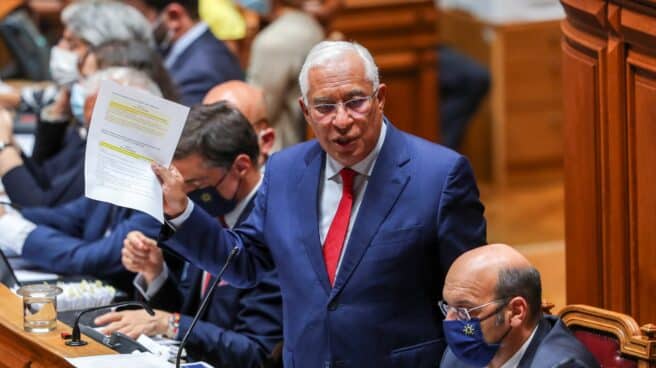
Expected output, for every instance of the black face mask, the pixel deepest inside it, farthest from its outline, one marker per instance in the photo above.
(212, 202)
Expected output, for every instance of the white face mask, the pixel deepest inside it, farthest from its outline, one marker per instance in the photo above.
(63, 65)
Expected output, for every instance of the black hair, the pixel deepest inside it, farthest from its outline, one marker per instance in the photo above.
(523, 282)
(218, 133)
(191, 6)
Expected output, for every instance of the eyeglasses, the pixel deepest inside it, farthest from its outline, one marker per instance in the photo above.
(464, 314)
(355, 107)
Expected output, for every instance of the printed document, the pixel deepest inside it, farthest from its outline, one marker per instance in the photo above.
(129, 129)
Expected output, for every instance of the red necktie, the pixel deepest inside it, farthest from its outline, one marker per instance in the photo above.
(205, 283)
(332, 247)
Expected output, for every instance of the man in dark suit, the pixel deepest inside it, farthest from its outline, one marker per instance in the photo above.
(361, 253)
(196, 60)
(218, 154)
(492, 304)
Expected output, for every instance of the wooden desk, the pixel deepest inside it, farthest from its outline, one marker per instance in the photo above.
(23, 349)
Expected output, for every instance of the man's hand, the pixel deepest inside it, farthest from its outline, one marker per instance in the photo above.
(175, 198)
(134, 322)
(141, 254)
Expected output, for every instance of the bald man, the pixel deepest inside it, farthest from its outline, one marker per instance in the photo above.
(249, 100)
(493, 318)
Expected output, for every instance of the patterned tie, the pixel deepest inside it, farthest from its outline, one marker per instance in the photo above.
(205, 283)
(332, 247)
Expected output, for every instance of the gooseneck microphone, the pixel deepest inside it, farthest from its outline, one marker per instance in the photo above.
(75, 335)
(204, 303)
(15, 206)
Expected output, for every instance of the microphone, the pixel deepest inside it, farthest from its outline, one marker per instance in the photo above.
(75, 335)
(15, 206)
(204, 303)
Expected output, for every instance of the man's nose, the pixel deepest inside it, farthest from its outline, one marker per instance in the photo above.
(342, 118)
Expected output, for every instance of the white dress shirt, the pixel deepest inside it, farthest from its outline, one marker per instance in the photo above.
(14, 230)
(514, 360)
(330, 191)
(184, 42)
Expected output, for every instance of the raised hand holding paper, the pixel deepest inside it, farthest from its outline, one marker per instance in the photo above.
(129, 129)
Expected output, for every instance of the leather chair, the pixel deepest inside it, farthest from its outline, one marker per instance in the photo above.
(615, 339)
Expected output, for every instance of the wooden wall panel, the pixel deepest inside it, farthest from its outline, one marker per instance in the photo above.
(580, 71)
(613, 229)
(641, 85)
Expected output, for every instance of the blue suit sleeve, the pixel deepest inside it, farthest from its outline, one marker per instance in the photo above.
(69, 218)
(207, 244)
(54, 249)
(257, 329)
(461, 225)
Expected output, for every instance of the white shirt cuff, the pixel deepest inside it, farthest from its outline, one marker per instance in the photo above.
(178, 221)
(148, 291)
(14, 229)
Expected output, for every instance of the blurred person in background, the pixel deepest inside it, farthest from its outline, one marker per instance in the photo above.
(194, 57)
(59, 176)
(250, 101)
(84, 236)
(277, 56)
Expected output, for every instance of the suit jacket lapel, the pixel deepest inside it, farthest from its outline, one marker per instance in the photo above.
(308, 199)
(542, 331)
(385, 185)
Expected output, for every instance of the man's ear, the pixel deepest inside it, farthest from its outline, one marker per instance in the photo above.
(242, 163)
(267, 138)
(382, 94)
(304, 108)
(518, 311)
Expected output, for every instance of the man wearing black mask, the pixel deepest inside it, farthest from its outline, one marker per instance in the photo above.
(217, 155)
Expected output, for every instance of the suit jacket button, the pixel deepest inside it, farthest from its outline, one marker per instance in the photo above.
(333, 305)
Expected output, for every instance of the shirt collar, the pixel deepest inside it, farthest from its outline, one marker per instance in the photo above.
(232, 217)
(517, 357)
(183, 43)
(364, 167)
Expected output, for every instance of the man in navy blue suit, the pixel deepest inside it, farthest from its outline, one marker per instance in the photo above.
(218, 154)
(361, 224)
(196, 60)
(492, 304)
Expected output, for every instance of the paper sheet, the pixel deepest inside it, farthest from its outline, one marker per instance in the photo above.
(32, 276)
(129, 129)
(134, 360)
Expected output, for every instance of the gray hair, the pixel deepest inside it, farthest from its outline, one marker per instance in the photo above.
(99, 21)
(122, 75)
(327, 51)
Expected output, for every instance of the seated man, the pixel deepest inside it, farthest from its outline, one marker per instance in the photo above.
(492, 304)
(196, 59)
(217, 155)
(84, 236)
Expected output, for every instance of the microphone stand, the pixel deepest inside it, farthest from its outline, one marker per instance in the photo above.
(75, 335)
(204, 303)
